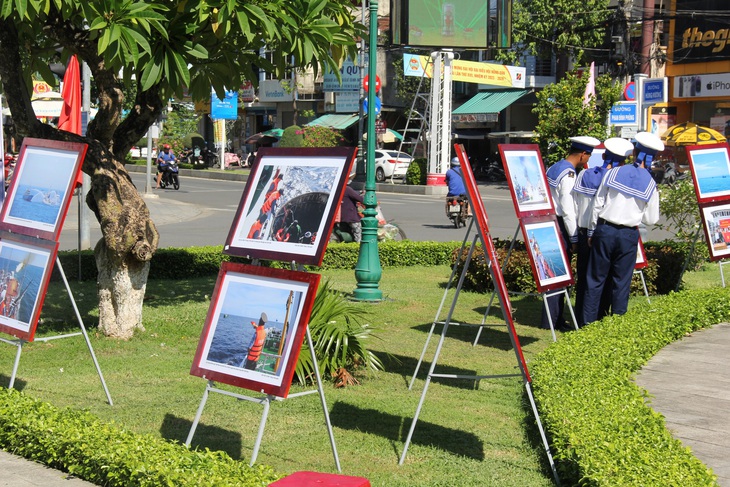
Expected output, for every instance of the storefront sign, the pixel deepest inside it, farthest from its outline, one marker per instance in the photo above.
(248, 93)
(350, 74)
(347, 102)
(704, 85)
(701, 38)
(475, 118)
(274, 90)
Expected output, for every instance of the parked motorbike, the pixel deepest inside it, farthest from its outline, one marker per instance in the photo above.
(667, 173)
(170, 177)
(194, 157)
(489, 170)
(457, 210)
(210, 158)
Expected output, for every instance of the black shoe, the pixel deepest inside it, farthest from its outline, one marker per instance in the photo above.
(565, 327)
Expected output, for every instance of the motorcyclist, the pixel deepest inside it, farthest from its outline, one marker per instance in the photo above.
(455, 182)
(164, 159)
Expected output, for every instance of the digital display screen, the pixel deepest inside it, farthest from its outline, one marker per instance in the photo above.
(446, 23)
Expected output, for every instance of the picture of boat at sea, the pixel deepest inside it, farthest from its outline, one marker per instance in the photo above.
(712, 171)
(21, 274)
(37, 204)
(233, 334)
(547, 253)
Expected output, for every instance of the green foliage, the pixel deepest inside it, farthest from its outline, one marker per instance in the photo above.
(602, 430)
(407, 87)
(678, 205)
(78, 443)
(181, 122)
(546, 27)
(561, 113)
(321, 136)
(417, 172)
(292, 137)
(339, 335)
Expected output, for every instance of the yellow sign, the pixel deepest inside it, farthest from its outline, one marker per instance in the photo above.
(466, 71)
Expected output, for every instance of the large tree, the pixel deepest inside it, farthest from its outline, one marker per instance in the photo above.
(161, 47)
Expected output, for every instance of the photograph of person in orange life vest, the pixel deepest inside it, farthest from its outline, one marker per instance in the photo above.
(256, 344)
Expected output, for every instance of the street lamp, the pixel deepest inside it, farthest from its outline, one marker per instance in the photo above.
(368, 270)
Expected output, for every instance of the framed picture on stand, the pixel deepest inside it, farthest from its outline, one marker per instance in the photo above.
(25, 269)
(288, 206)
(641, 261)
(548, 256)
(710, 167)
(527, 179)
(255, 326)
(716, 224)
(41, 187)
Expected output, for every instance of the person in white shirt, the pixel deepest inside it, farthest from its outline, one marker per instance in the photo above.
(626, 197)
(586, 186)
(561, 178)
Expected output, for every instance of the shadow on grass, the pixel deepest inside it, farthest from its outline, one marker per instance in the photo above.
(159, 293)
(176, 429)
(395, 429)
(493, 335)
(529, 425)
(19, 384)
(406, 366)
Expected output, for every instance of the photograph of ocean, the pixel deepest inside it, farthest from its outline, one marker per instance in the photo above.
(233, 333)
(712, 172)
(36, 204)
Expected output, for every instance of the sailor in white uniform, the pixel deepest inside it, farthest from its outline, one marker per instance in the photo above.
(626, 197)
(561, 178)
(586, 185)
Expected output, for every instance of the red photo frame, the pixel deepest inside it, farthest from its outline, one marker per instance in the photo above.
(641, 261)
(289, 203)
(546, 249)
(255, 327)
(710, 167)
(716, 224)
(25, 270)
(40, 190)
(479, 213)
(527, 179)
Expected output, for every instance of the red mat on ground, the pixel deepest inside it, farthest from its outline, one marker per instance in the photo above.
(317, 479)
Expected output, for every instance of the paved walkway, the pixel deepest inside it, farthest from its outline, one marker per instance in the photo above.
(689, 387)
(19, 472)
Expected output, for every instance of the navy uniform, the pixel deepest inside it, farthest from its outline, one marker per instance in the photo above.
(626, 197)
(586, 186)
(561, 178)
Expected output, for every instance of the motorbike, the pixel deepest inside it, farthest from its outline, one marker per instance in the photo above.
(210, 158)
(193, 157)
(457, 210)
(387, 230)
(170, 178)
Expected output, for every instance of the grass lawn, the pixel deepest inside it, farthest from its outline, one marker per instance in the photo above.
(470, 433)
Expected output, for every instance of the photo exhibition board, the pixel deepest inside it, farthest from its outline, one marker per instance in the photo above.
(289, 203)
(482, 223)
(710, 167)
(641, 261)
(25, 270)
(716, 224)
(527, 179)
(548, 256)
(40, 190)
(255, 327)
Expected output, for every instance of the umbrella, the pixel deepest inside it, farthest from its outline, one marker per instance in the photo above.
(690, 133)
(261, 139)
(388, 137)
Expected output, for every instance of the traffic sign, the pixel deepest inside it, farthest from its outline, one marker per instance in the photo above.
(377, 83)
(630, 91)
(624, 113)
(654, 91)
(378, 105)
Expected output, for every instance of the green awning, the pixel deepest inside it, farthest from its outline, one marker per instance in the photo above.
(336, 120)
(490, 102)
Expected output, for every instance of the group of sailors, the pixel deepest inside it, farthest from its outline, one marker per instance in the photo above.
(599, 212)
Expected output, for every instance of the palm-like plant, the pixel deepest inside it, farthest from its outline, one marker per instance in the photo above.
(339, 334)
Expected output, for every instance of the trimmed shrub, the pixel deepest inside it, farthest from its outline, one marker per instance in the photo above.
(292, 137)
(601, 428)
(417, 172)
(79, 443)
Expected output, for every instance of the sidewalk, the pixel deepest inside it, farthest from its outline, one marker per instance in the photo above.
(688, 386)
(18, 472)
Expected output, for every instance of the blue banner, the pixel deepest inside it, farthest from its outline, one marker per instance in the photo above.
(227, 108)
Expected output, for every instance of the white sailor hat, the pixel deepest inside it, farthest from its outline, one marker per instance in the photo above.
(617, 150)
(648, 143)
(584, 143)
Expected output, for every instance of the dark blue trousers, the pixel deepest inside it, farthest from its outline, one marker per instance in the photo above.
(581, 272)
(611, 263)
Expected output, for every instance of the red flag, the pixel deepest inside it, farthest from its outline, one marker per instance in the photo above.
(70, 119)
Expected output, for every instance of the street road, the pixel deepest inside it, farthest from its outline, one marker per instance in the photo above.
(201, 212)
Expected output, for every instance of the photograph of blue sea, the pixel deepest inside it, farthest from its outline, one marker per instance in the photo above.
(712, 171)
(232, 335)
(21, 273)
(36, 204)
(546, 250)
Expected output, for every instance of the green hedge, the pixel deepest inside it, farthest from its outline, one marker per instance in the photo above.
(79, 443)
(601, 429)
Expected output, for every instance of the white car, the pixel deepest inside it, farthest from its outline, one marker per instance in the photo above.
(391, 163)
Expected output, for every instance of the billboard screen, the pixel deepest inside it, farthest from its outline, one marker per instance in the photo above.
(441, 23)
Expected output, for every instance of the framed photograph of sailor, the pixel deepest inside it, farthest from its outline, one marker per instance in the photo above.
(641, 261)
(41, 187)
(527, 180)
(548, 257)
(710, 167)
(255, 327)
(716, 223)
(25, 269)
(288, 206)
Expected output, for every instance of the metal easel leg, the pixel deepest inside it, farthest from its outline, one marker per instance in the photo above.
(643, 284)
(550, 318)
(570, 307)
(199, 413)
(19, 344)
(722, 274)
(83, 331)
(324, 403)
(545, 443)
(266, 401)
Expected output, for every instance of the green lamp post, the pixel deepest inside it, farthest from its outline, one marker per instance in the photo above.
(368, 270)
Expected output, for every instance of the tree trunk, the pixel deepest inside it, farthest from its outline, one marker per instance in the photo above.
(121, 286)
